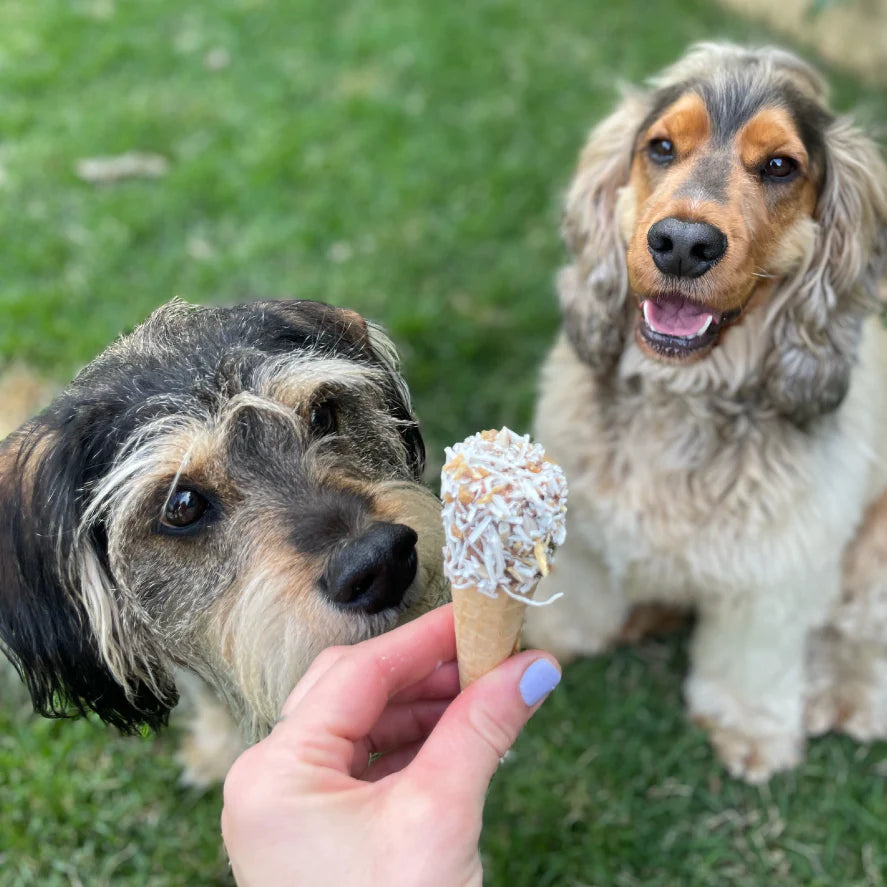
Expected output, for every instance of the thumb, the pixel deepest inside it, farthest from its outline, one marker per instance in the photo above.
(464, 749)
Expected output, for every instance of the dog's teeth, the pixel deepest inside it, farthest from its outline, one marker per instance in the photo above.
(709, 319)
(704, 327)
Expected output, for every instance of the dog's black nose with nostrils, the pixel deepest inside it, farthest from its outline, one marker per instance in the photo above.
(372, 572)
(685, 249)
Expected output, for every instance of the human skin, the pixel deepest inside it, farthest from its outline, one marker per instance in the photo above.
(377, 771)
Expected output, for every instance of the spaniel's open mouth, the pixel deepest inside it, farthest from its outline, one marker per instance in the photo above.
(675, 326)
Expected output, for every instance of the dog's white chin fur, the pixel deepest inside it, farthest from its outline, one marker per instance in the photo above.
(750, 529)
(213, 738)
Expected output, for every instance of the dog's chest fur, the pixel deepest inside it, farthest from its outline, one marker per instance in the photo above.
(695, 494)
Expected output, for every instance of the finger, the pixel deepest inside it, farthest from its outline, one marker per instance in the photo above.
(400, 724)
(442, 683)
(404, 722)
(392, 762)
(481, 725)
(348, 698)
(322, 663)
(432, 625)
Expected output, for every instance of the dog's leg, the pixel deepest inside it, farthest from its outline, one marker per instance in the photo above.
(748, 678)
(212, 741)
(848, 663)
(822, 707)
(848, 686)
(590, 615)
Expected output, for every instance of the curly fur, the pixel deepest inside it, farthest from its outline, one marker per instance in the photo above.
(737, 482)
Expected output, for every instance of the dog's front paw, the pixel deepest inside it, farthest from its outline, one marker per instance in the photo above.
(822, 712)
(752, 742)
(210, 742)
(860, 712)
(577, 633)
(756, 758)
(566, 643)
(205, 760)
(867, 721)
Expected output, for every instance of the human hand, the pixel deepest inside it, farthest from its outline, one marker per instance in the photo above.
(377, 772)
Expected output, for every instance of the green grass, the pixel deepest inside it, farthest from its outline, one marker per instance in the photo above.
(406, 159)
(611, 786)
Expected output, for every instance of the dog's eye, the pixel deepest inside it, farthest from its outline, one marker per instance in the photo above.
(323, 418)
(183, 509)
(782, 168)
(660, 150)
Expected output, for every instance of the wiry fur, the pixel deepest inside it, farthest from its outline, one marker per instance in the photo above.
(102, 606)
(751, 483)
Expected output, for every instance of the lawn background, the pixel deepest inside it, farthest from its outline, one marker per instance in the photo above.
(406, 159)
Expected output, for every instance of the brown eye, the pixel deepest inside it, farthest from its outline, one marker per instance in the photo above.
(184, 508)
(660, 150)
(782, 168)
(323, 418)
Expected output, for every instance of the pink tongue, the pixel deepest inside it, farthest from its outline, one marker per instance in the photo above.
(677, 316)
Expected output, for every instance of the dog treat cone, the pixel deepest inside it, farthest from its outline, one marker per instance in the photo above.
(504, 508)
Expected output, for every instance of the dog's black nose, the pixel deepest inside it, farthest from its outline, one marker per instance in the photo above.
(685, 249)
(373, 571)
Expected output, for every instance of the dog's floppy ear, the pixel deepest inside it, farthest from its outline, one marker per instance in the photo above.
(817, 327)
(593, 289)
(60, 616)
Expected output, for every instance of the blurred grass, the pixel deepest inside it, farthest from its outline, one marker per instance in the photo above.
(407, 160)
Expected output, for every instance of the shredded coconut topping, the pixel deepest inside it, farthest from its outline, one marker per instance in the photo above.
(504, 510)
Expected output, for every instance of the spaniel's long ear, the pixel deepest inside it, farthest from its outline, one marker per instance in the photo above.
(61, 620)
(594, 287)
(817, 328)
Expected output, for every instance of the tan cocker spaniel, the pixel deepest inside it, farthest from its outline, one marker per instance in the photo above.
(718, 399)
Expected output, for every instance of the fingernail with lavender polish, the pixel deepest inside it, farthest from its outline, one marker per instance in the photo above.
(540, 678)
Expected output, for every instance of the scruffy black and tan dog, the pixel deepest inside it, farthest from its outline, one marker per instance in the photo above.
(224, 492)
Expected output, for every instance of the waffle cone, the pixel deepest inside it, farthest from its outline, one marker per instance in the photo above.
(487, 631)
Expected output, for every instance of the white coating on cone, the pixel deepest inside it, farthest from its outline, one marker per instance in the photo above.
(504, 510)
